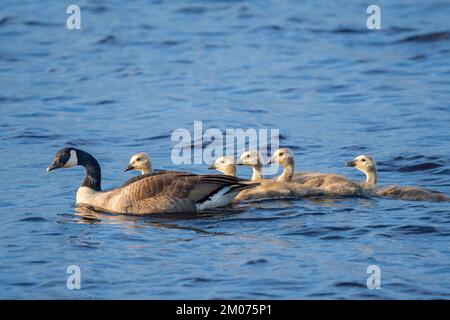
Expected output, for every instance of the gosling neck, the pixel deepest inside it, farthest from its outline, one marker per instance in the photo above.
(256, 172)
(371, 176)
(93, 172)
(288, 172)
(148, 169)
(229, 170)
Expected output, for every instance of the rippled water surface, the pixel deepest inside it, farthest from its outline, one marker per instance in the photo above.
(140, 69)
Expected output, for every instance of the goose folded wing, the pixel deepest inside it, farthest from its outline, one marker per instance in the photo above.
(179, 185)
(175, 192)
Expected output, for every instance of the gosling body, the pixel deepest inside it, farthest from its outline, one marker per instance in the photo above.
(367, 165)
(313, 183)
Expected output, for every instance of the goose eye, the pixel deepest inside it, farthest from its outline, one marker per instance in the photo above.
(281, 153)
(138, 159)
(363, 160)
(248, 156)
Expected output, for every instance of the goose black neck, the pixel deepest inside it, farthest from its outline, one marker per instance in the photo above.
(93, 177)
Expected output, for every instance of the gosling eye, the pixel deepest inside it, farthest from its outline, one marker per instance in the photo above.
(363, 160)
(281, 154)
(248, 156)
(138, 159)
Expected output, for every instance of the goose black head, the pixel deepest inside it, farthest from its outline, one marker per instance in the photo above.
(64, 158)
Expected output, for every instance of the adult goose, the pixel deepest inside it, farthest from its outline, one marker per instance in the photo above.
(165, 192)
(324, 183)
(368, 166)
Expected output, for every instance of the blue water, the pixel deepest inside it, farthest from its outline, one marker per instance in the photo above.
(140, 69)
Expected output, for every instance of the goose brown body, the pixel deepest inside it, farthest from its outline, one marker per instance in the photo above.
(164, 192)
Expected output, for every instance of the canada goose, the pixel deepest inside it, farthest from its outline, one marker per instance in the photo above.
(253, 159)
(224, 164)
(164, 192)
(140, 162)
(324, 183)
(367, 165)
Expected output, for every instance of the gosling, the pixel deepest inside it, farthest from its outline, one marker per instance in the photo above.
(253, 159)
(224, 164)
(367, 165)
(140, 162)
(327, 184)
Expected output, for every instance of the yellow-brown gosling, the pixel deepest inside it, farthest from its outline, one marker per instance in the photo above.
(140, 162)
(253, 159)
(327, 184)
(367, 165)
(224, 164)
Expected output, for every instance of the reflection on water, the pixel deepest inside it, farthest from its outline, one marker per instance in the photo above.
(137, 71)
(88, 215)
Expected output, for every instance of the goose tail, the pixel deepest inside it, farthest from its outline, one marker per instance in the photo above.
(225, 194)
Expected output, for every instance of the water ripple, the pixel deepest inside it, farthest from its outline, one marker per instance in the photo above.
(135, 73)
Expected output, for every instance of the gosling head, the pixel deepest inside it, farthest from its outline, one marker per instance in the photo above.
(251, 158)
(64, 158)
(140, 162)
(367, 165)
(282, 156)
(224, 164)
